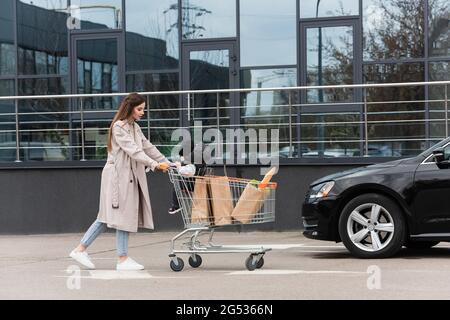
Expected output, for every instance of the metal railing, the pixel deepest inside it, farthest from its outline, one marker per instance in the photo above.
(286, 114)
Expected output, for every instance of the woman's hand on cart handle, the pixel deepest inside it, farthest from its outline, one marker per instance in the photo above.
(163, 166)
(173, 166)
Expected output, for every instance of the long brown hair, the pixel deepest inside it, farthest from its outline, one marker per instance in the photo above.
(126, 108)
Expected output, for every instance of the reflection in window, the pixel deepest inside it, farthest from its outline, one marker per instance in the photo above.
(7, 123)
(202, 19)
(393, 29)
(397, 123)
(6, 89)
(164, 109)
(329, 61)
(268, 109)
(44, 134)
(152, 35)
(98, 14)
(210, 70)
(438, 71)
(439, 32)
(42, 37)
(95, 136)
(328, 8)
(97, 71)
(330, 135)
(43, 86)
(268, 33)
(141, 82)
(7, 48)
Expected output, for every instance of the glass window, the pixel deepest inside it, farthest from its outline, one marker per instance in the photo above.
(43, 86)
(44, 129)
(329, 135)
(268, 109)
(6, 88)
(96, 126)
(393, 29)
(141, 82)
(268, 32)
(209, 69)
(152, 35)
(7, 48)
(7, 122)
(439, 31)
(97, 14)
(396, 115)
(328, 8)
(42, 37)
(164, 111)
(438, 71)
(329, 61)
(202, 19)
(97, 71)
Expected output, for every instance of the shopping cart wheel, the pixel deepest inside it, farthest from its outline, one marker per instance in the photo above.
(195, 261)
(250, 264)
(260, 263)
(177, 266)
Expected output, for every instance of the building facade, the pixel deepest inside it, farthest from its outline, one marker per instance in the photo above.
(52, 47)
(55, 47)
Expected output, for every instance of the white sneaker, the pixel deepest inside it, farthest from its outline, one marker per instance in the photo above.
(129, 265)
(82, 258)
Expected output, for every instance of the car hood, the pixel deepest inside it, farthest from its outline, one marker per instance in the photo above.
(369, 170)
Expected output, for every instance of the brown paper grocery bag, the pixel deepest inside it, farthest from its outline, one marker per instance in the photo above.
(221, 200)
(200, 202)
(250, 202)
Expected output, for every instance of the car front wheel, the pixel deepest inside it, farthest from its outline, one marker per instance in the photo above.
(372, 226)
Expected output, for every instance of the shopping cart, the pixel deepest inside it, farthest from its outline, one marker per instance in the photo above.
(209, 202)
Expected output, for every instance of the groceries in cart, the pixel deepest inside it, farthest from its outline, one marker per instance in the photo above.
(221, 200)
(187, 170)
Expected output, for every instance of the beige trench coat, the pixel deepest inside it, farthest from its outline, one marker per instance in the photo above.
(123, 175)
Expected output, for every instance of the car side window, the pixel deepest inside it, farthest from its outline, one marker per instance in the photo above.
(447, 152)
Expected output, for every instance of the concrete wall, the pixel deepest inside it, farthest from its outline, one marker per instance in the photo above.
(60, 200)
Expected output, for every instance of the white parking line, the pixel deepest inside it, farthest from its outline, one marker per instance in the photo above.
(331, 247)
(279, 246)
(273, 246)
(281, 272)
(321, 251)
(119, 275)
(116, 275)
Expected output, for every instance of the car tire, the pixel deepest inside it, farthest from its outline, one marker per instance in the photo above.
(372, 226)
(420, 245)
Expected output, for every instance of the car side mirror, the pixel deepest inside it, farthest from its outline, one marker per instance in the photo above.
(439, 156)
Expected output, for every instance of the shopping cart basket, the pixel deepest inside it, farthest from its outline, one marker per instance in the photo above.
(208, 202)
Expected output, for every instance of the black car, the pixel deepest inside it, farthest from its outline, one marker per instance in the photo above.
(375, 210)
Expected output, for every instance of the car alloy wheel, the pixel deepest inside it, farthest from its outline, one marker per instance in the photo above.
(370, 227)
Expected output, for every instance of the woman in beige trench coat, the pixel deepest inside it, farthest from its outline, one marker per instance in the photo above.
(124, 198)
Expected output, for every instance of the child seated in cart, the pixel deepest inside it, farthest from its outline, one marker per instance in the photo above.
(188, 168)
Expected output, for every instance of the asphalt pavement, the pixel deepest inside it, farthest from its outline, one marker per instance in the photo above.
(38, 267)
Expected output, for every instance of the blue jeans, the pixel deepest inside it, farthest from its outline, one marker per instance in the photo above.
(97, 228)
